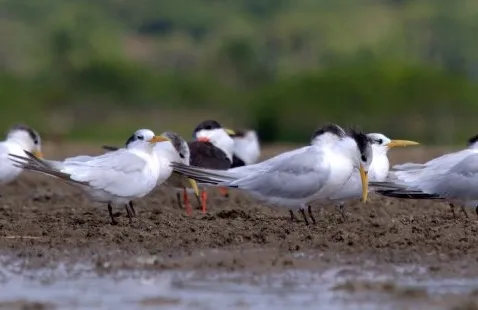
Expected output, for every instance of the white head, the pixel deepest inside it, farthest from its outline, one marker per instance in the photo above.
(27, 138)
(473, 142)
(144, 139)
(381, 144)
(328, 134)
(180, 147)
(246, 146)
(211, 131)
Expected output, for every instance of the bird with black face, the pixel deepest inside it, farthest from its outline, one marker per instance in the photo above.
(114, 178)
(212, 148)
(295, 178)
(20, 138)
(179, 152)
(378, 170)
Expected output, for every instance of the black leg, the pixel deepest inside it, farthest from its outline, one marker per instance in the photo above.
(133, 211)
(292, 216)
(129, 213)
(476, 210)
(304, 216)
(464, 211)
(110, 211)
(342, 211)
(452, 207)
(309, 209)
(178, 199)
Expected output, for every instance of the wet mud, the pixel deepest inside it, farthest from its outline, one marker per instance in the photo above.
(44, 221)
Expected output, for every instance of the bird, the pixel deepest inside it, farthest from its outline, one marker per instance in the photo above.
(411, 174)
(378, 170)
(455, 184)
(20, 137)
(294, 178)
(247, 150)
(211, 148)
(114, 178)
(182, 155)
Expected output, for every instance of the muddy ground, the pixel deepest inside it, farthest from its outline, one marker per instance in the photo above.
(45, 221)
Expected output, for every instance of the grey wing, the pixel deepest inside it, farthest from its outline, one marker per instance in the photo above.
(302, 175)
(459, 182)
(408, 166)
(118, 173)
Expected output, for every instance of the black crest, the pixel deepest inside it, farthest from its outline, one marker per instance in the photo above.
(32, 133)
(472, 140)
(361, 139)
(329, 128)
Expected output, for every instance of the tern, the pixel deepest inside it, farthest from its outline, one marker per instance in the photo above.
(377, 172)
(115, 177)
(294, 178)
(20, 138)
(179, 151)
(412, 175)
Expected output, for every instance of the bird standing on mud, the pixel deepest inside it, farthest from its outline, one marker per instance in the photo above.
(176, 181)
(450, 177)
(115, 177)
(294, 178)
(377, 172)
(212, 148)
(20, 138)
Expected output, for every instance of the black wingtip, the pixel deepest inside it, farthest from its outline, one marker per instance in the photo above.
(407, 195)
(110, 148)
(472, 140)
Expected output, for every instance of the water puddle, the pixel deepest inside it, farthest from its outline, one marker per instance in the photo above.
(342, 287)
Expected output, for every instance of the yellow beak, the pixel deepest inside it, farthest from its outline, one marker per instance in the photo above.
(230, 131)
(156, 139)
(364, 179)
(38, 154)
(395, 143)
(194, 186)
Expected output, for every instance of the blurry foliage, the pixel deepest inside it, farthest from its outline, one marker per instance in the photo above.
(407, 68)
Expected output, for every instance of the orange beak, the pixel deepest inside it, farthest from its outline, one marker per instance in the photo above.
(203, 139)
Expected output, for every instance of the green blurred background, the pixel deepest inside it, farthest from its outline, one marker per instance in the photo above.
(99, 69)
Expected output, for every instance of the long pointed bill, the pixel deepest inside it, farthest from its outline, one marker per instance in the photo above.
(364, 179)
(230, 132)
(194, 186)
(38, 154)
(403, 143)
(156, 139)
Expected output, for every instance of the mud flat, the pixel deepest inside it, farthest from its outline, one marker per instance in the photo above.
(395, 253)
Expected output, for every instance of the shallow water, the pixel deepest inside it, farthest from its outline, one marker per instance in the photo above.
(341, 287)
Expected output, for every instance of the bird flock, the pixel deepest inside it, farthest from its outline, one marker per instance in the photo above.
(337, 166)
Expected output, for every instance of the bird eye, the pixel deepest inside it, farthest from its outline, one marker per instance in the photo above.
(364, 158)
(380, 141)
(181, 155)
(208, 127)
(140, 138)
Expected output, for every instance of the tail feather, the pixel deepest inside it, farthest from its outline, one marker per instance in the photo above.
(209, 176)
(33, 163)
(404, 194)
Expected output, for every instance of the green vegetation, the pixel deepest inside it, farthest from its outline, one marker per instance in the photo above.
(79, 69)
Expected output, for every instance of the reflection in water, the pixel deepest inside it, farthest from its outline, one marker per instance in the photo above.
(81, 288)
